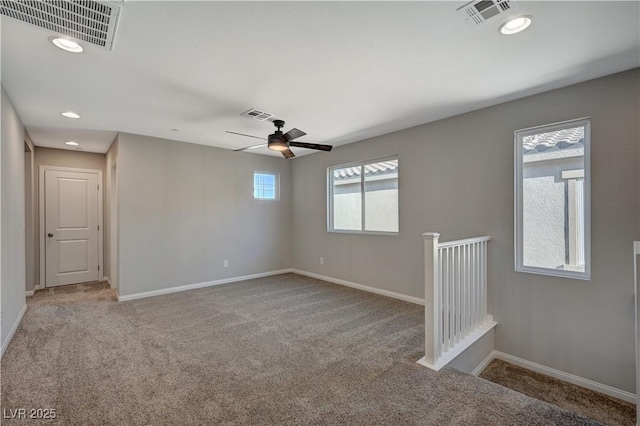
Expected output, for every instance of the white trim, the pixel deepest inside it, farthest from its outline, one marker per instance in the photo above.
(41, 206)
(484, 364)
(636, 302)
(105, 278)
(557, 374)
(461, 346)
(388, 293)
(100, 226)
(30, 293)
(383, 233)
(145, 294)
(392, 294)
(114, 201)
(7, 341)
(459, 242)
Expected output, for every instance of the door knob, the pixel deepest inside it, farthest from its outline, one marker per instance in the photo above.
(49, 235)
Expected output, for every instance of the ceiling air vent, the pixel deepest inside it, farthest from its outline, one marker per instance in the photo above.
(257, 114)
(477, 12)
(85, 20)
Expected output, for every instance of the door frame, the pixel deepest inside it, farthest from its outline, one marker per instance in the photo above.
(30, 220)
(41, 214)
(636, 294)
(113, 225)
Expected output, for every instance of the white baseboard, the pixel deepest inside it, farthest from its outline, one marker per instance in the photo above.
(363, 287)
(557, 374)
(170, 290)
(30, 293)
(8, 339)
(484, 364)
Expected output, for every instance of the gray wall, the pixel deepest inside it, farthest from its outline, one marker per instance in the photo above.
(185, 208)
(456, 178)
(63, 158)
(13, 264)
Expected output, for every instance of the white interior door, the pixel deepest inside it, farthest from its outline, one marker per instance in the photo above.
(71, 227)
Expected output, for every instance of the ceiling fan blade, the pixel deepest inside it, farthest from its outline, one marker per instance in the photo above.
(249, 136)
(288, 154)
(250, 147)
(317, 146)
(293, 134)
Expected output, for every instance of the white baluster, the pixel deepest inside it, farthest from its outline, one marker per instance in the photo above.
(445, 301)
(464, 295)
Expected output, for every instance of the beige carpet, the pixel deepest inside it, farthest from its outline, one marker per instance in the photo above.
(279, 350)
(585, 402)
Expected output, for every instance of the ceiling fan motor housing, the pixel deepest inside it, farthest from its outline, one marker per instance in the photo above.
(277, 142)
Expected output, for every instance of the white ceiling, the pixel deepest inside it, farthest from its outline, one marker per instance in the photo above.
(341, 71)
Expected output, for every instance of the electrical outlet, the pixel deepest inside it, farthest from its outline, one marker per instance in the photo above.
(226, 263)
(322, 260)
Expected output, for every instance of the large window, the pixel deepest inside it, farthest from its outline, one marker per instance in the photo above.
(552, 182)
(265, 186)
(363, 197)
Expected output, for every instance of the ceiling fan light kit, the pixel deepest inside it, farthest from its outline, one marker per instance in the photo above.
(277, 145)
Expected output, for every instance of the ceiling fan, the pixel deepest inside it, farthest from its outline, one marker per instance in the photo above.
(282, 142)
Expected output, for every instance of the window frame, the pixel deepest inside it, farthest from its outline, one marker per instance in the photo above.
(330, 219)
(277, 185)
(518, 200)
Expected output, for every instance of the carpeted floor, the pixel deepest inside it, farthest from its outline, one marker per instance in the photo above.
(585, 402)
(278, 350)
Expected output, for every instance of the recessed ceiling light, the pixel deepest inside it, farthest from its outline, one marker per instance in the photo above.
(72, 143)
(515, 25)
(66, 44)
(70, 114)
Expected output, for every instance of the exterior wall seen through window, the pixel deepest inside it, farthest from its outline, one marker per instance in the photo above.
(364, 202)
(552, 208)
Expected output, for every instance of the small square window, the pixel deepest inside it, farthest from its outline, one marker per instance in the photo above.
(265, 186)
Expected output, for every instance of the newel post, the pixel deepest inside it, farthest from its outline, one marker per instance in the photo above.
(432, 309)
